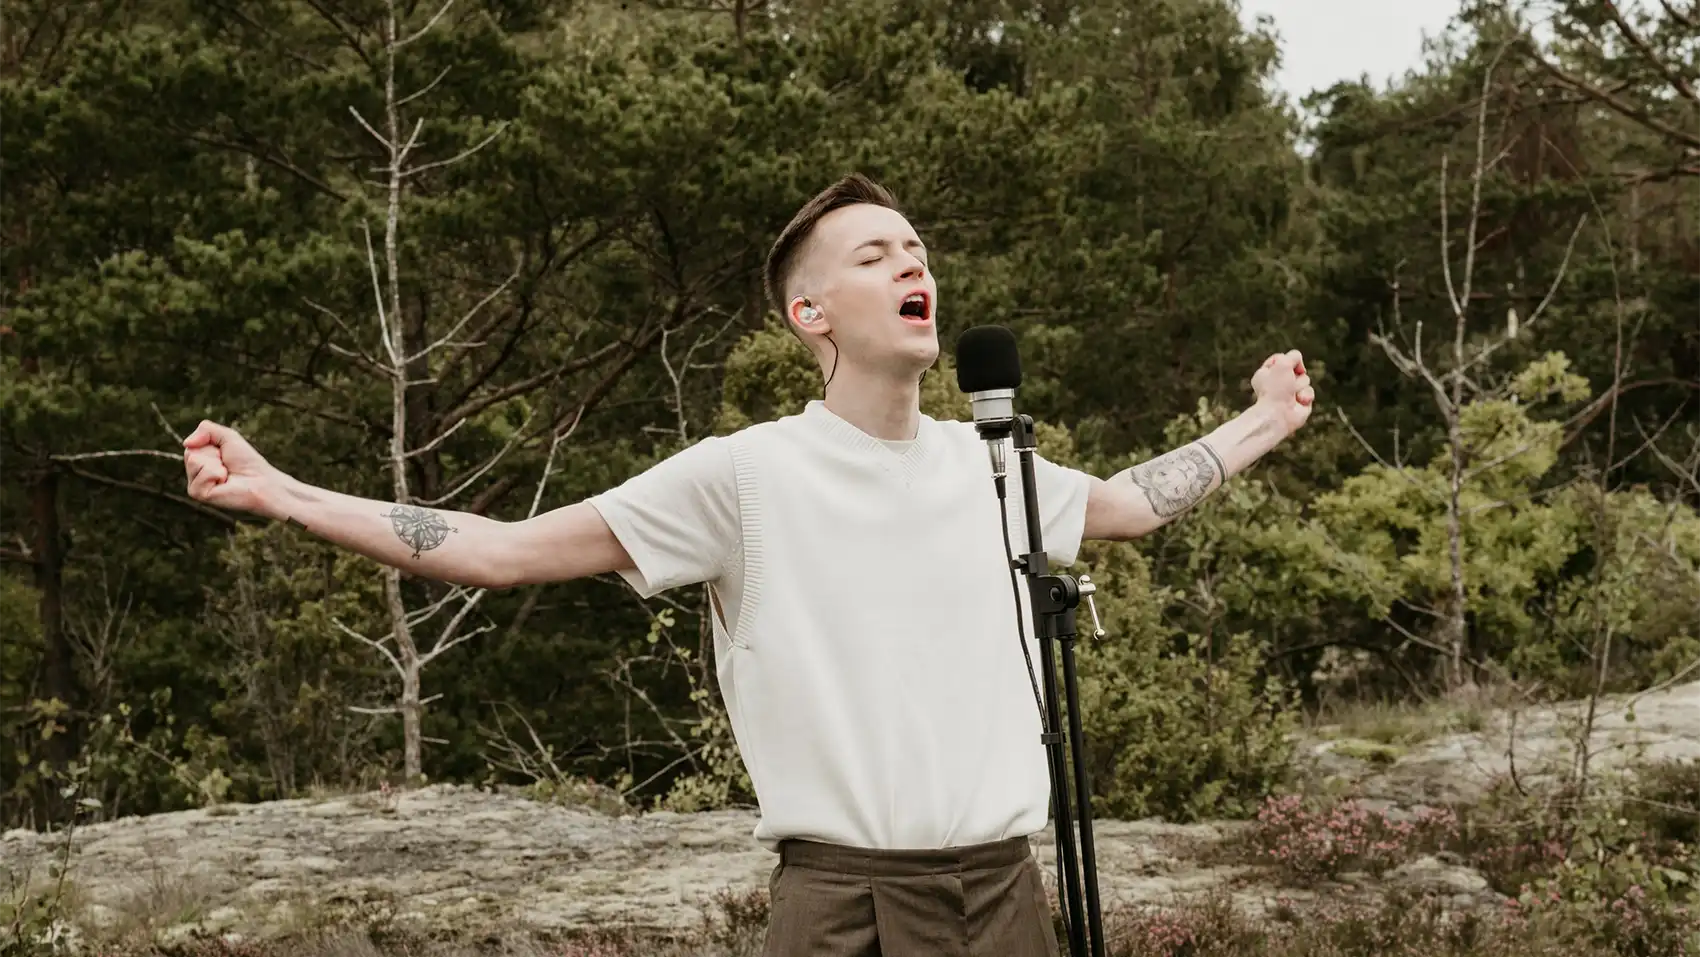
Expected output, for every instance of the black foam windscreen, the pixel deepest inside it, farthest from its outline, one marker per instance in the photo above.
(987, 358)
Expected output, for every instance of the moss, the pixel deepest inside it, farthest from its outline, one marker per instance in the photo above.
(1372, 752)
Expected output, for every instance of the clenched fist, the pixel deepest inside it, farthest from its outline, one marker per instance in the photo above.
(224, 470)
(1283, 387)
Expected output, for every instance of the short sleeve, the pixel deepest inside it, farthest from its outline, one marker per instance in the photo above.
(1062, 508)
(678, 519)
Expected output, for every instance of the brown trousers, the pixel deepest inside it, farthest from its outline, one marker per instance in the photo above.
(986, 900)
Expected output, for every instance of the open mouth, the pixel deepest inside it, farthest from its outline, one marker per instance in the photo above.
(916, 308)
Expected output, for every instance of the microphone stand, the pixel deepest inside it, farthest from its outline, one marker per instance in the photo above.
(1054, 599)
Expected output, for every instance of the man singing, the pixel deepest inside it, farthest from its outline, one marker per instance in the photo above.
(865, 628)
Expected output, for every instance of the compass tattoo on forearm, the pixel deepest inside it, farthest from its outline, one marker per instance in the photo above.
(1176, 481)
(418, 528)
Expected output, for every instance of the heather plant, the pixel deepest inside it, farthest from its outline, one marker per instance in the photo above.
(1306, 842)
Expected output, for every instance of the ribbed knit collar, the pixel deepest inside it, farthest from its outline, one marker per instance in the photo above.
(906, 463)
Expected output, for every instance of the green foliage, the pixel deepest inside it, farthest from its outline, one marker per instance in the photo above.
(187, 192)
(1179, 726)
(1665, 801)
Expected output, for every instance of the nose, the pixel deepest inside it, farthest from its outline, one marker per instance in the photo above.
(912, 270)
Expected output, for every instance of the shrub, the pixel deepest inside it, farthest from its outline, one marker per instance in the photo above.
(1665, 800)
(1306, 843)
(1184, 728)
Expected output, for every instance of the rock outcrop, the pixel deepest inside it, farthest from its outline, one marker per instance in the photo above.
(471, 860)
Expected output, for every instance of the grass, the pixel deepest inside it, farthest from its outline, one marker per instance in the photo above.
(1401, 724)
(1371, 752)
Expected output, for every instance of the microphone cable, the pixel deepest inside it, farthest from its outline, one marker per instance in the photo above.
(1015, 589)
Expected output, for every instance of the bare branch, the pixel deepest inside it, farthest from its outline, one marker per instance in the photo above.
(334, 316)
(412, 140)
(118, 453)
(1446, 240)
(166, 424)
(1540, 308)
(1687, 473)
(470, 313)
(472, 407)
(463, 154)
(387, 709)
(348, 37)
(375, 135)
(555, 440)
(1413, 368)
(489, 463)
(1476, 178)
(427, 27)
(1417, 639)
(438, 440)
(390, 348)
(265, 156)
(422, 615)
(458, 639)
(448, 638)
(632, 688)
(379, 645)
(212, 513)
(409, 98)
(1492, 464)
(1367, 447)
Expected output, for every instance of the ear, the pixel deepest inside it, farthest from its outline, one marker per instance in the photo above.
(807, 316)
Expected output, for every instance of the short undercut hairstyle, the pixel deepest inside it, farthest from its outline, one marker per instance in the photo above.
(782, 259)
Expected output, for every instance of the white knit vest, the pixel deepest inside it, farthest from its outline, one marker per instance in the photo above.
(873, 676)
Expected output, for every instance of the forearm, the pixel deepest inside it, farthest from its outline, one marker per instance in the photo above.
(448, 546)
(1170, 485)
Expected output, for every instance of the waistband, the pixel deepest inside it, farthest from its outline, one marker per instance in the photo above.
(879, 862)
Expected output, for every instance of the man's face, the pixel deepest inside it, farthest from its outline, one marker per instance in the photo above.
(867, 272)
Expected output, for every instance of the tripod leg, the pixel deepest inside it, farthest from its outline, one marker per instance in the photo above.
(1068, 888)
(1083, 795)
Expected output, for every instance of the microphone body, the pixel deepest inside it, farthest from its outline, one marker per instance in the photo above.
(988, 368)
(994, 419)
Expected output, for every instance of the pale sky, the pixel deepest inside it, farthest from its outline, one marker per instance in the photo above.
(1325, 41)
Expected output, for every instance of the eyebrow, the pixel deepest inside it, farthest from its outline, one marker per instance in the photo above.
(886, 244)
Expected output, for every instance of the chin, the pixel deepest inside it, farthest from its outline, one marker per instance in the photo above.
(921, 354)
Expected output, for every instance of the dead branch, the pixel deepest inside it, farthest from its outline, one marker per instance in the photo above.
(448, 337)
(398, 44)
(463, 154)
(220, 516)
(1541, 307)
(382, 648)
(461, 485)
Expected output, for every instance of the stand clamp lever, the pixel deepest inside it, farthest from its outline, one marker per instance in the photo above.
(1087, 590)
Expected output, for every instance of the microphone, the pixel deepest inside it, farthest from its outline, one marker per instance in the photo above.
(988, 368)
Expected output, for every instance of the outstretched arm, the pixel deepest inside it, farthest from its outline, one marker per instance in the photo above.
(455, 547)
(1146, 497)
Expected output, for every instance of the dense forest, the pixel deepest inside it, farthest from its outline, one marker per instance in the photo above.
(498, 255)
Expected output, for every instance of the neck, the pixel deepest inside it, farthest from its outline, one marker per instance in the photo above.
(882, 406)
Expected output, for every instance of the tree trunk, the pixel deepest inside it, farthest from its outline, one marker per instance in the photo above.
(408, 655)
(1456, 624)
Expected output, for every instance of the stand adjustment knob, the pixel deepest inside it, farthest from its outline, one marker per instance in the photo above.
(1087, 590)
